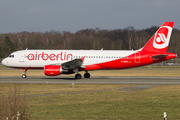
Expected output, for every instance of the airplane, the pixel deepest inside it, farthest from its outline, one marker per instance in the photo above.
(57, 62)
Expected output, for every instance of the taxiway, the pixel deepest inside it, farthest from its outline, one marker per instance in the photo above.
(94, 80)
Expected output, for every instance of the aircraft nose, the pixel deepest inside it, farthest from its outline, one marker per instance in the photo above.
(4, 62)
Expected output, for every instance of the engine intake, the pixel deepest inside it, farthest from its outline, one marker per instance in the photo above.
(53, 70)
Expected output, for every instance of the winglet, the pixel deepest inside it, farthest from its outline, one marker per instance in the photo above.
(82, 58)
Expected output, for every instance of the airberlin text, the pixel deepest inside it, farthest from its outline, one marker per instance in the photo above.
(45, 56)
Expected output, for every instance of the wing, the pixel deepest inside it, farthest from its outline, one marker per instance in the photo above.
(77, 63)
(73, 63)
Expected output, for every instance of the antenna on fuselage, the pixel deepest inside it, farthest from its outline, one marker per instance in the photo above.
(101, 49)
(26, 48)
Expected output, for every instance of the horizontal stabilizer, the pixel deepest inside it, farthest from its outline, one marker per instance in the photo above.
(156, 57)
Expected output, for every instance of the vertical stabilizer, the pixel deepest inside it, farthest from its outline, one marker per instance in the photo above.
(160, 40)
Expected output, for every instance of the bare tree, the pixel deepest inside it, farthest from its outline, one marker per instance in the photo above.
(127, 38)
(130, 35)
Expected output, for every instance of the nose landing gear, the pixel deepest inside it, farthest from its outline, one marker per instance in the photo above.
(24, 75)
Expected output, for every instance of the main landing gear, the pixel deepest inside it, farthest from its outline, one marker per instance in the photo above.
(24, 75)
(86, 75)
(79, 76)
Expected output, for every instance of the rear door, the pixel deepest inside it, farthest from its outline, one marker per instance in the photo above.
(137, 57)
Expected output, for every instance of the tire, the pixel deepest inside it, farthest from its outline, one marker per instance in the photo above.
(78, 76)
(24, 76)
(86, 75)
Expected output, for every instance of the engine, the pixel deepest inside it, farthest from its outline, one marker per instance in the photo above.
(53, 70)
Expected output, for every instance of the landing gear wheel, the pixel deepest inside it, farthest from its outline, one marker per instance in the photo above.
(86, 75)
(78, 76)
(24, 76)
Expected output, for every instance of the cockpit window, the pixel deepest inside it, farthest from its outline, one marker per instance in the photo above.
(11, 56)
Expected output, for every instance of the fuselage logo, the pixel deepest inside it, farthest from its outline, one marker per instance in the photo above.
(162, 36)
(45, 56)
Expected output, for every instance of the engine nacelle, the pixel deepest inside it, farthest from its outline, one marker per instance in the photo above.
(53, 70)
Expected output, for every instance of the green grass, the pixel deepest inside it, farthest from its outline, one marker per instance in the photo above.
(146, 104)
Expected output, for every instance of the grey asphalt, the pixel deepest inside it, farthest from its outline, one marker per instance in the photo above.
(139, 83)
(95, 80)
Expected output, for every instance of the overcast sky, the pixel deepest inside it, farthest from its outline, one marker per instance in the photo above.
(74, 15)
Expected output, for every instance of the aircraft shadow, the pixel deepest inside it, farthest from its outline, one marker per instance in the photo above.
(60, 78)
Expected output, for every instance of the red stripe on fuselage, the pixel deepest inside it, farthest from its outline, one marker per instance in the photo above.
(130, 61)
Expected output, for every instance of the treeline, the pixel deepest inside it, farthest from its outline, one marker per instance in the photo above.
(118, 39)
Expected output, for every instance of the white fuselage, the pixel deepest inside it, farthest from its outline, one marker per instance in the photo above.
(40, 58)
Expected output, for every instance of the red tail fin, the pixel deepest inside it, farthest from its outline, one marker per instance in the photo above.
(160, 40)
